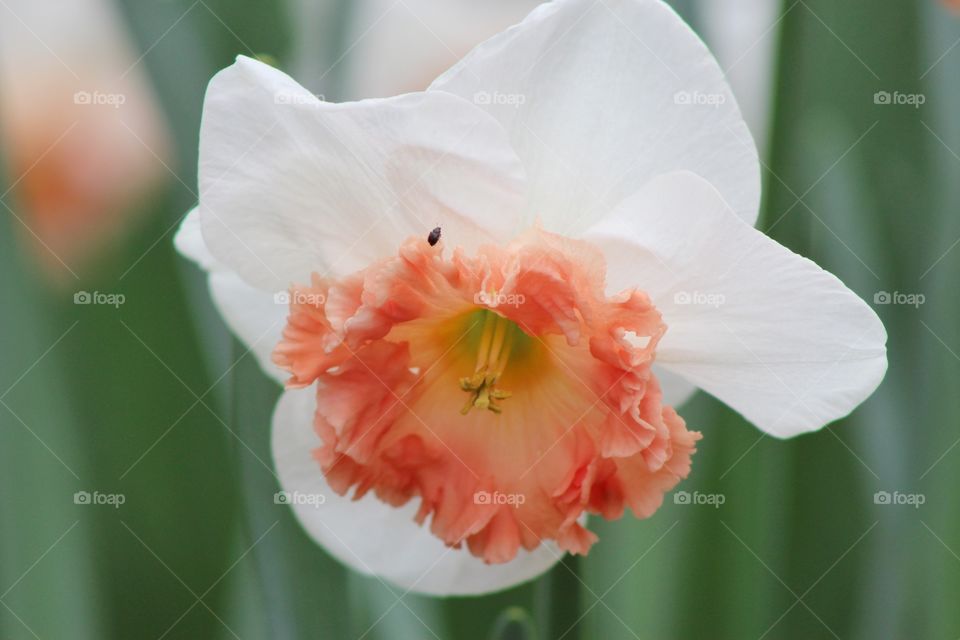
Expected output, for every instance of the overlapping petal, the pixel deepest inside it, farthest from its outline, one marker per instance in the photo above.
(766, 331)
(374, 537)
(601, 96)
(255, 316)
(290, 184)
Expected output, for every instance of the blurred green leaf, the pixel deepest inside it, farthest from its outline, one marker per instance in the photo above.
(137, 387)
(558, 602)
(304, 591)
(845, 170)
(48, 583)
(139, 391)
(932, 414)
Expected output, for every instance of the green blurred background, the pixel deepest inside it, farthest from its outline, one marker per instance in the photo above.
(152, 400)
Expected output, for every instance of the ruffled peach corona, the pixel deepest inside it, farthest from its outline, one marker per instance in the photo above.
(504, 390)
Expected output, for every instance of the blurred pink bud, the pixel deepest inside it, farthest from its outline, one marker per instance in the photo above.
(82, 136)
(402, 47)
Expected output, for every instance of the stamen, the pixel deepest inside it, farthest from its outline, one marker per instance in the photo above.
(493, 354)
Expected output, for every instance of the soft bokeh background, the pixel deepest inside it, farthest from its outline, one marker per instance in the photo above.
(145, 396)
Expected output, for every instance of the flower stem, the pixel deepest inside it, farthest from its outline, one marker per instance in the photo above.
(557, 601)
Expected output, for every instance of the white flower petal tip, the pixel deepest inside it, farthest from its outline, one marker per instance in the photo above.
(599, 97)
(188, 241)
(291, 185)
(372, 537)
(253, 315)
(761, 328)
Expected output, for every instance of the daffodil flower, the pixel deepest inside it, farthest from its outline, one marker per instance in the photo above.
(463, 402)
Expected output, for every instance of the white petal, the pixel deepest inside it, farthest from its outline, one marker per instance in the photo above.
(599, 97)
(290, 185)
(764, 330)
(189, 242)
(255, 316)
(373, 537)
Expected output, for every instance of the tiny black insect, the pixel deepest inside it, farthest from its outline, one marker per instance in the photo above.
(434, 236)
